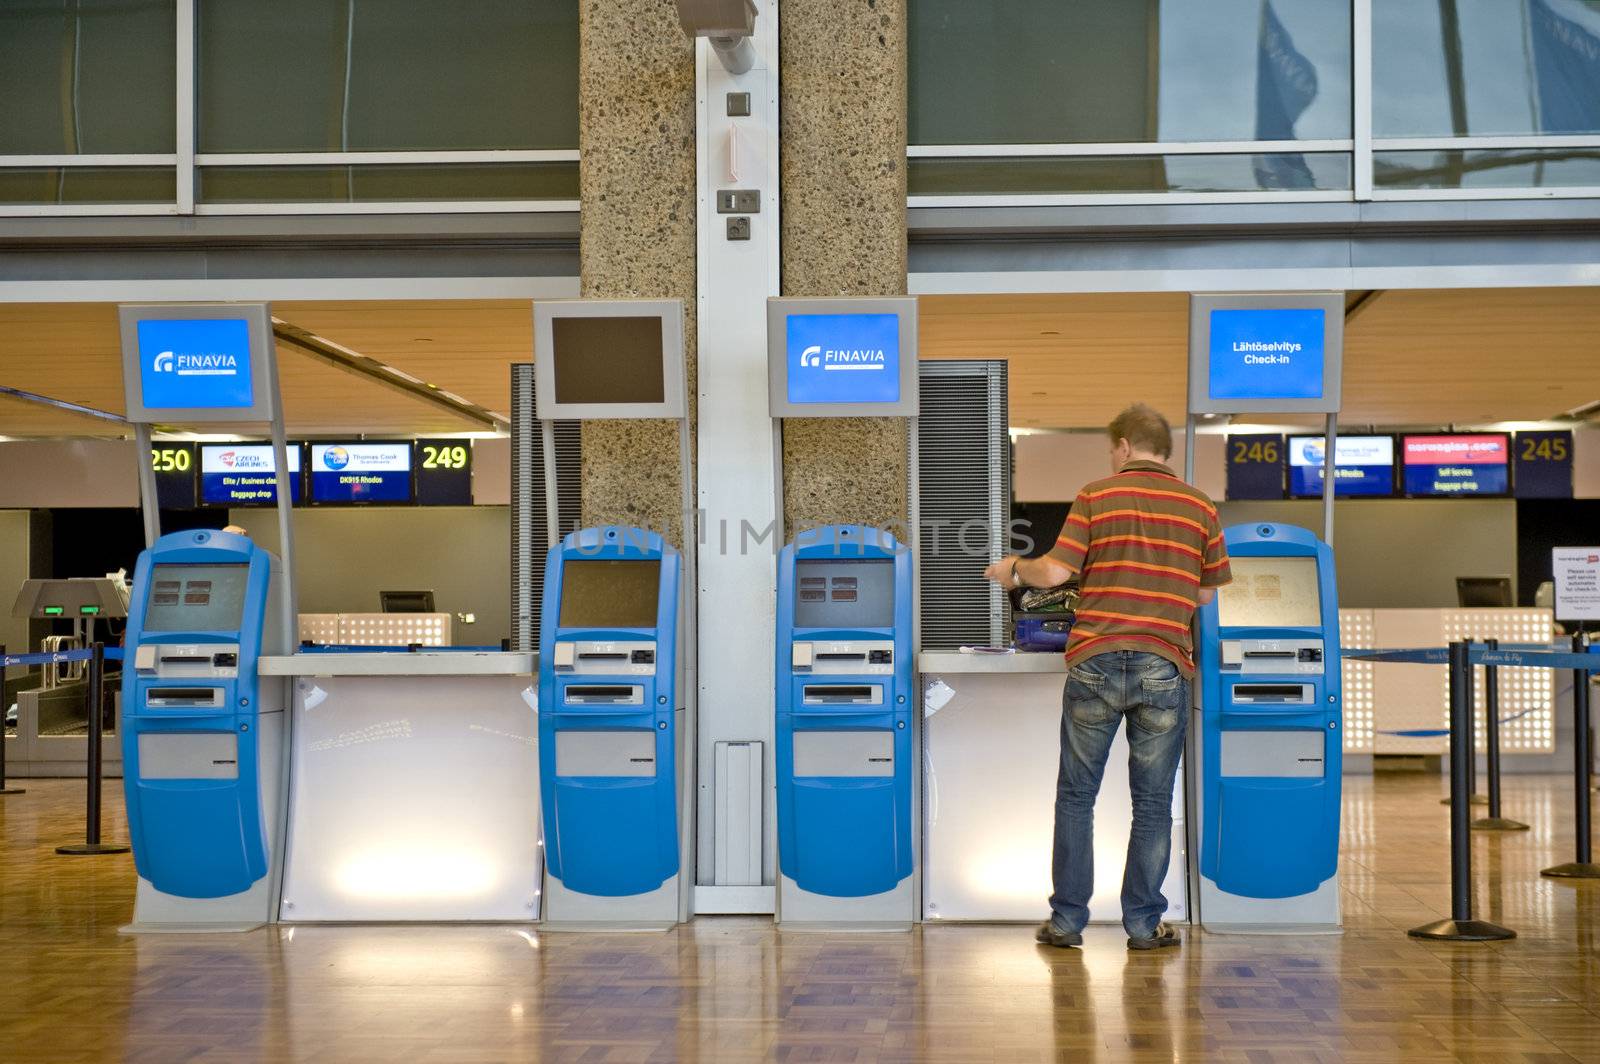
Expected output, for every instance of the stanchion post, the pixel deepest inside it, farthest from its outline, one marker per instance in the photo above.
(4, 788)
(1461, 927)
(1491, 721)
(1582, 867)
(1474, 798)
(96, 706)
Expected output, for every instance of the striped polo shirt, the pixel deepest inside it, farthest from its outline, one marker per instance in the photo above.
(1144, 544)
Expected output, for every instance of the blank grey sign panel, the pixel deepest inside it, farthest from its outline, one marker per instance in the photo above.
(607, 360)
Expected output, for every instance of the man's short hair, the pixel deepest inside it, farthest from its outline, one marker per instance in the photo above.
(1143, 427)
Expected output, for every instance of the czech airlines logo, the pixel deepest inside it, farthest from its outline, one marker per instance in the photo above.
(197, 365)
(818, 357)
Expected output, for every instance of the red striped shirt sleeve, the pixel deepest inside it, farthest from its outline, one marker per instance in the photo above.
(1214, 569)
(1072, 545)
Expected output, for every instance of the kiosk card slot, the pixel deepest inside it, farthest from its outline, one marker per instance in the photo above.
(1297, 694)
(843, 695)
(183, 697)
(604, 694)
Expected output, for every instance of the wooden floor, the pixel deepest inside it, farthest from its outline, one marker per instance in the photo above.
(733, 989)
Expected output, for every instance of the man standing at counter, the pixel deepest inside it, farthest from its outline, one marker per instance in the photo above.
(1147, 550)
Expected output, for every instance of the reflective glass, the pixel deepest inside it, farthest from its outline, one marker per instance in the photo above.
(1540, 168)
(89, 184)
(367, 183)
(1094, 71)
(1130, 173)
(1485, 67)
(338, 75)
(87, 77)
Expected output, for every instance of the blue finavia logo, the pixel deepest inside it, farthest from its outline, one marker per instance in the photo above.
(197, 365)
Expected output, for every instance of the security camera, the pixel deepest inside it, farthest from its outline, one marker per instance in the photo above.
(727, 24)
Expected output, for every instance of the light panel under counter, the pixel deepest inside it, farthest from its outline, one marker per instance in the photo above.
(402, 663)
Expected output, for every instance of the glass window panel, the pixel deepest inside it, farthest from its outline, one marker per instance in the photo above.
(87, 77)
(1100, 174)
(1485, 67)
(337, 75)
(367, 183)
(1092, 71)
(89, 184)
(1541, 168)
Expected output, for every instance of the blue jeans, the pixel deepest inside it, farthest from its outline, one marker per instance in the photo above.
(1153, 696)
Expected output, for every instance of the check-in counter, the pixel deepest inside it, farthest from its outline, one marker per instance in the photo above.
(413, 786)
(991, 753)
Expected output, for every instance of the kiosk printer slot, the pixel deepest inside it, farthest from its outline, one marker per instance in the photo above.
(202, 733)
(844, 754)
(609, 711)
(1270, 743)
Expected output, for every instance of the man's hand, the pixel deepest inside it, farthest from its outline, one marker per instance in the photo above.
(1000, 571)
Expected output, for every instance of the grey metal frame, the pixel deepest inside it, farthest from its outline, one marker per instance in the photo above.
(1201, 304)
(778, 310)
(263, 363)
(670, 313)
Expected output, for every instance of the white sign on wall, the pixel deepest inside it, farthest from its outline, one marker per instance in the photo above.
(1577, 576)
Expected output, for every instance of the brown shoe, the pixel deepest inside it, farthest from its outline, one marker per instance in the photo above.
(1165, 935)
(1049, 934)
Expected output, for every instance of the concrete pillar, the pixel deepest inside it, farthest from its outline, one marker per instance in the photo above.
(843, 153)
(636, 132)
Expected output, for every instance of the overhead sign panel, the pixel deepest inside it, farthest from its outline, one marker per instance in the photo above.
(361, 472)
(1363, 465)
(197, 362)
(1457, 465)
(244, 474)
(608, 358)
(842, 357)
(1278, 352)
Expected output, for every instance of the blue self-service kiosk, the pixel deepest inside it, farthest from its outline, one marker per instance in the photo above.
(202, 733)
(844, 728)
(610, 707)
(1270, 743)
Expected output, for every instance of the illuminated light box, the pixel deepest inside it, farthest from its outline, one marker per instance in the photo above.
(1363, 465)
(848, 357)
(361, 472)
(244, 474)
(1457, 465)
(1277, 352)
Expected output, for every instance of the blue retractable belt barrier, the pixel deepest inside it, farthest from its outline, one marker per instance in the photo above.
(58, 657)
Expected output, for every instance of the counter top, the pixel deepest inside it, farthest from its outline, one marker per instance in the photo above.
(953, 661)
(403, 663)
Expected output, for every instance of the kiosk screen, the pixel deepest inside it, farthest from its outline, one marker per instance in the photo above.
(610, 593)
(1271, 593)
(844, 594)
(196, 598)
(608, 360)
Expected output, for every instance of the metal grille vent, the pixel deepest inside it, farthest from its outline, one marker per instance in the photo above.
(529, 538)
(963, 472)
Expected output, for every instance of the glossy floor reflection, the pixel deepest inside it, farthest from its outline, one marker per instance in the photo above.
(733, 989)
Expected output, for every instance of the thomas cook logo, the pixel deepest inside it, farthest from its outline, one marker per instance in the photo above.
(336, 457)
(827, 358)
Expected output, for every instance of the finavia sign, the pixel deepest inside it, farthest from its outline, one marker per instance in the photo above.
(198, 364)
(843, 358)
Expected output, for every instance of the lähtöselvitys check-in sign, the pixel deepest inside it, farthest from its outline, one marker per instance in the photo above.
(1276, 352)
(194, 363)
(846, 357)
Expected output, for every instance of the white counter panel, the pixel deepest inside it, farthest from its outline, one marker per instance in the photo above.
(991, 746)
(413, 798)
(402, 663)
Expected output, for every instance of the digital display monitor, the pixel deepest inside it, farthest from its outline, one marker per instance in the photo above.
(244, 474)
(843, 358)
(195, 598)
(1457, 465)
(844, 593)
(608, 360)
(1267, 353)
(201, 363)
(1363, 465)
(1279, 592)
(443, 472)
(361, 472)
(610, 592)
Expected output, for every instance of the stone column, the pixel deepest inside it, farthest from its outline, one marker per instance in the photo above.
(636, 132)
(843, 153)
